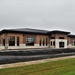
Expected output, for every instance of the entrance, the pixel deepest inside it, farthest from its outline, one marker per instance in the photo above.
(61, 44)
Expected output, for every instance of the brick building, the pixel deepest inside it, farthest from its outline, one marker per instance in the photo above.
(35, 38)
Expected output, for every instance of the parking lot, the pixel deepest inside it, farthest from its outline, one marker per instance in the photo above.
(12, 56)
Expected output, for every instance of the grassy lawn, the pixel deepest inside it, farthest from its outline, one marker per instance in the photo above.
(61, 67)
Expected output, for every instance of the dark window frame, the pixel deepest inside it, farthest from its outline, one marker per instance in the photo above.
(51, 43)
(30, 41)
(18, 41)
(3, 41)
(40, 43)
(43, 42)
(46, 41)
(11, 42)
(73, 42)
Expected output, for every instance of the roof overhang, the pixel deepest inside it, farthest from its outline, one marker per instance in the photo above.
(22, 32)
(58, 32)
(71, 36)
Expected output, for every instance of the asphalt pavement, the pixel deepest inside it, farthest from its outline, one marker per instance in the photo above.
(13, 56)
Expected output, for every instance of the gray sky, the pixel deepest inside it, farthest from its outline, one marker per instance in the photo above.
(39, 14)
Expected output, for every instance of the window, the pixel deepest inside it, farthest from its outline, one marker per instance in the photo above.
(73, 42)
(52, 38)
(3, 42)
(46, 41)
(40, 42)
(53, 43)
(29, 41)
(43, 41)
(11, 41)
(0, 42)
(17, 41)
(61, 37)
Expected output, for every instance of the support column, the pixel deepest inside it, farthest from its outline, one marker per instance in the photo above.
(6, 41)
(15, 41)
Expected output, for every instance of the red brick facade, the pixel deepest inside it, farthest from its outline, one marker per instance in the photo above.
(57, 38)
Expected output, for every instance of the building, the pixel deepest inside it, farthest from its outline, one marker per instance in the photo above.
(35, 38)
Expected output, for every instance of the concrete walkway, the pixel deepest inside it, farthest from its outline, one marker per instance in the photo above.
(34, 62)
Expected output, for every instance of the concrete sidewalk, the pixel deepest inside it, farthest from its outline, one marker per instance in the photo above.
(34, 62)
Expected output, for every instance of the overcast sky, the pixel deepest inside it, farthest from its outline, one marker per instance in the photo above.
(39, 14)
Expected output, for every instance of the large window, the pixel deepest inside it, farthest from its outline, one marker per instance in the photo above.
(11, 41)
(17, 41)
(53, 43)
(29, 41)
(73, 42)
(3, 41)
(40, 42)
(46, 41)
(43, 41)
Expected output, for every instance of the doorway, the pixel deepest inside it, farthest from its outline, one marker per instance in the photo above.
(61, 44)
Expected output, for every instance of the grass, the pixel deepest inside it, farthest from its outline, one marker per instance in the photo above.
(61, 67)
